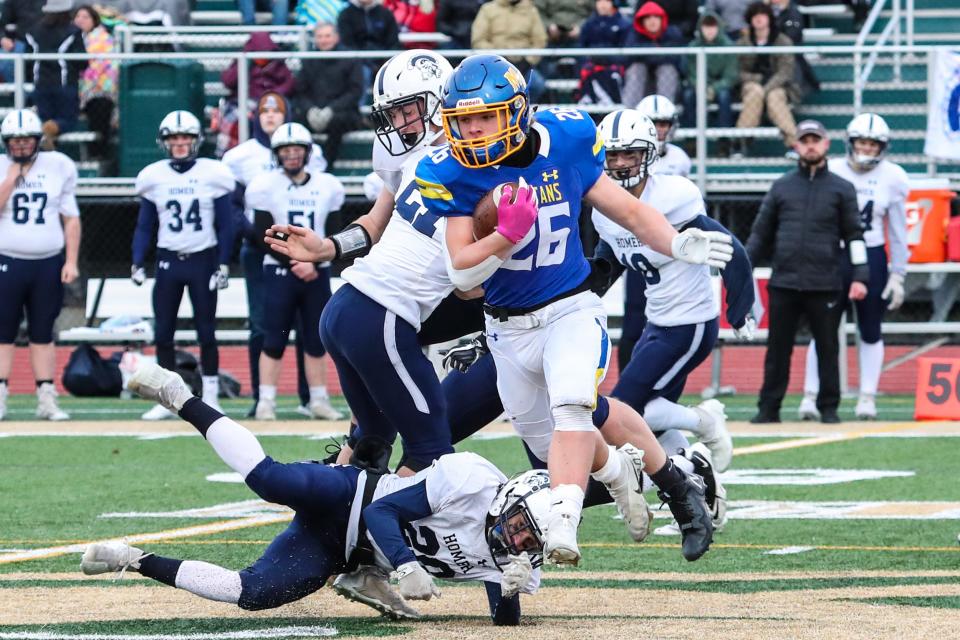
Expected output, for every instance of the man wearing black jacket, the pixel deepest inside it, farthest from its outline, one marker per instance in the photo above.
(801, 223)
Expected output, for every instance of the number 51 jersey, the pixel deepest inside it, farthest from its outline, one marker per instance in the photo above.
(30, 226)
(184, 202)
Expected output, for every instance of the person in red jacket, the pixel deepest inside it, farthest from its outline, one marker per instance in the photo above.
(648, 75)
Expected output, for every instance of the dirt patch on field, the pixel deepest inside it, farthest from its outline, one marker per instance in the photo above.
(557, 612)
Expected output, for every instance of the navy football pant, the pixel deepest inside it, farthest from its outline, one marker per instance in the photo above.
(870, 310)
(311, 549)
(291, 298)
(634, 316)
(389, 384)
(192, 273)
(34, 286)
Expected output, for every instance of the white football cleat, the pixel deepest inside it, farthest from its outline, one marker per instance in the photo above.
(304, 410)
(808, 408)
(47, 408)
(266, 409)
(627, 493)
(713, 421)
(560, 541)
(321, 409)
(153, 382)
(109, 557)
(866, 408)
(371, 586)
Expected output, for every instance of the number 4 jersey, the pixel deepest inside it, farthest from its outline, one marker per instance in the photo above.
(184, 202)
(30, 226)
(306, 205)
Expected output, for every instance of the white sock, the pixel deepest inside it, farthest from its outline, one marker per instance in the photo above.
(871, 362)
(211, 389)
(661, 415)
(672, 441)
(683, 464)
(610, 471)
(268, 392)
(209, 581)
(567, 500)
(236, 446)
(811, 378)
(318, 393)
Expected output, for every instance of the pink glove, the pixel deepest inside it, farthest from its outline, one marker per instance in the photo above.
(515, 219)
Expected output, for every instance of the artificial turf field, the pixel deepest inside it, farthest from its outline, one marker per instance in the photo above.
(835, 531)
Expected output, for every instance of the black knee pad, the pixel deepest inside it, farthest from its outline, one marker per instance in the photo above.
(274, 352)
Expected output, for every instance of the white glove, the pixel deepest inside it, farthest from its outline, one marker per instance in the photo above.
(746, 331)
(220, 279)
(319, 118)
(515, 575)
(138, 275)
(415, 583)
(697, 246)
(893, 291)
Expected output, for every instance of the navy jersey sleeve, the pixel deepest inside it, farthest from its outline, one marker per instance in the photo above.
(146, 222)
(737, 275)
(384, 518)
(224, 214)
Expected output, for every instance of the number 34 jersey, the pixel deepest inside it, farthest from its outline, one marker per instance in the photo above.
(306, 205)
(184, 202)
(30, 226)
(451, 543)
(678, 293)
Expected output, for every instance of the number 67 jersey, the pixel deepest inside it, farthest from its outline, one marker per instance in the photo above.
(184, 202)
(30, 226)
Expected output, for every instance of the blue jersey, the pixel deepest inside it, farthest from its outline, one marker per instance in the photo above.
(548, 261)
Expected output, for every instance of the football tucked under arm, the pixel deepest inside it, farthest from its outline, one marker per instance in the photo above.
(486, 215)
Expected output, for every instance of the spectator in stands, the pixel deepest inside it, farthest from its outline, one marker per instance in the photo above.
(683, 15)
(329, 91)
(310, 12)
(455, 19)
(802, 220)
(279, 8)
(789, 21)
(98, 82)
(647, 75)
(722, 76)
(732, 14)
(153, 12)
(563, 19)
(16, 17)
(601, 77)
(265, 74)
(366, 25)
(414, 16)
(56, 92)
(512, 24)
(767, 79)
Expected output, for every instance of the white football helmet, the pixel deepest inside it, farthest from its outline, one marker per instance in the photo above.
(629, 130)
(522, 504)
(180, 123)
(287, 135)
(415, 77)
(22, 123)
(867, 126)
(660, 109)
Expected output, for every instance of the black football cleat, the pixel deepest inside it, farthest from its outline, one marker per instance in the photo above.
(689, 508)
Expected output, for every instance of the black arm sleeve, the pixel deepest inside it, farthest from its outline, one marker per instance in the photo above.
(262, 220)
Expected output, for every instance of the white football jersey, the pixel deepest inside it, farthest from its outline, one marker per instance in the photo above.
(881, 196)
(674, 162)
(451, 543)
(406, 270)
(30, 226)
(390, 167)
(250, 159)
(678, 292)
(306, 205)
(184, 202)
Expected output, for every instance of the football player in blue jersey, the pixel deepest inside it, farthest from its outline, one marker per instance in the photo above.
(459, 519)
(545, 328)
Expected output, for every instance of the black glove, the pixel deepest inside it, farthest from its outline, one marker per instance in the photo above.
(602, 275)
(465, 354)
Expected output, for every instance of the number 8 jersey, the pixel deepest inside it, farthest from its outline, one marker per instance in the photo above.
(184, 202)
(30, 226)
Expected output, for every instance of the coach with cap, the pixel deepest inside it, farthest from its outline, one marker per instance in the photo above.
(805, 223)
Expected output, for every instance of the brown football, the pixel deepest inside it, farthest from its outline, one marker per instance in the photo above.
(485, 213)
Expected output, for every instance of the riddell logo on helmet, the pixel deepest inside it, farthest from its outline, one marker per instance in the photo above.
(470, 102)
